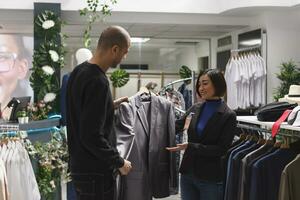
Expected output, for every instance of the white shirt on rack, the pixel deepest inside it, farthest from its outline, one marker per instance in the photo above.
(246, 81)
(232, 80)
(3, 182)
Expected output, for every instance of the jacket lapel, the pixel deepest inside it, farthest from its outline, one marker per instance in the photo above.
(141, 114)
(154, 112)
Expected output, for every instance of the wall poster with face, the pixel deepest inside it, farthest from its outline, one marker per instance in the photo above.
(15, 64)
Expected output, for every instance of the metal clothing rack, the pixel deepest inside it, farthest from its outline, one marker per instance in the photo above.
(183, 80)
(179, 110)
(246, 49)
(282, 132)
(177, 81)
(265, 127)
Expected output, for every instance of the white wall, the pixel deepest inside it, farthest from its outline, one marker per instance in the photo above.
(169, 62)
(213, 52)
(283, 44)
(143, 57)
(202, 48)
(188, 57)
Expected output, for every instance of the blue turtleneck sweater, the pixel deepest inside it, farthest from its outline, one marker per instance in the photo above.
(208, 109)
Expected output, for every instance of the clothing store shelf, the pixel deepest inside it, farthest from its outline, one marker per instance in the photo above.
(32, 125)
(267, 125)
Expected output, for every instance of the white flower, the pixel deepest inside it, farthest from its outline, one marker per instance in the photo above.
(52, 184)
(49, 97)
(48, 24)
(54, 56)
(48, 70)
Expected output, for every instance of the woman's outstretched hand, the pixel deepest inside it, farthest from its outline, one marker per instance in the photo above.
(178, 147)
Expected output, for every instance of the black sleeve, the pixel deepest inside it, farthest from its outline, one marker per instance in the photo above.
(92, 120)
(224, 142)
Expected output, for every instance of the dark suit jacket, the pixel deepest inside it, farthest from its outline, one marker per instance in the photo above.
(202, 158)
(144, 130)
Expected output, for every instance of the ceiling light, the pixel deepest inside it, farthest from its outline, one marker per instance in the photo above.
(139, 40)
(251, 42)
(186, 42)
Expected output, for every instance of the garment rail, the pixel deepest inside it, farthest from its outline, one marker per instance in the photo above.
(183, 80)
(246, 49)
(282, 132)
(181, 111)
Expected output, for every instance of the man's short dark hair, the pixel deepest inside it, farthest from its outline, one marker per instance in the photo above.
(113, 35)
(217, 80)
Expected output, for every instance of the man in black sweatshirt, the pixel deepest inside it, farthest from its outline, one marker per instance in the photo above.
(94, 158)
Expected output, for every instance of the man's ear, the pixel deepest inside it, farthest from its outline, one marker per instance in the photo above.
(22, 68)
(115, 49)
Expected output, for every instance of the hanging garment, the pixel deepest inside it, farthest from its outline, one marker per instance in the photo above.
(244, 182)
(266, 174)
(145, 127)
(230, 189)
(187, 95)
(245, 77)
(176, 98)
(21, 182)
(290, 181)
(3, 182)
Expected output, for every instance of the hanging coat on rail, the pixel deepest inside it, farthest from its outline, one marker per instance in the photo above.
(145, 127)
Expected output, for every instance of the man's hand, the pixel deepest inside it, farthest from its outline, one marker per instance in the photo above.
(117, 102)
(126, 167)
(179, 147)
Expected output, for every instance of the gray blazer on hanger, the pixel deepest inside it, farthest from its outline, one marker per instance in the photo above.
(144, 129)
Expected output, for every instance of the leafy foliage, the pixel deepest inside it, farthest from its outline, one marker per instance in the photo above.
(185, 72)
(289, 75)
(50, 33)
(49, 53)
(48, 59)
(52, 163)
(40, 81)
(38, 111)
(92, 16)
(119, 78)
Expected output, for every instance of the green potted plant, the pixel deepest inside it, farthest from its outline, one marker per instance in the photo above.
(185, 72)
(289, 75)
(22, 117)
(119, 78)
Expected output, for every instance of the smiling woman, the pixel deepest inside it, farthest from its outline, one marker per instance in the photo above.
(210, 134)
(14, 69)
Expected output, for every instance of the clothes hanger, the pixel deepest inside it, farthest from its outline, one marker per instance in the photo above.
(243, 136)
(254, 137)
(261, 139)
(277, 144)
(143, 90)
(144, 93)
(285, 144)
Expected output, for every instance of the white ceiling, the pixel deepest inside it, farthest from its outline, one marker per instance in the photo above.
(175, 26)
(180, 27)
